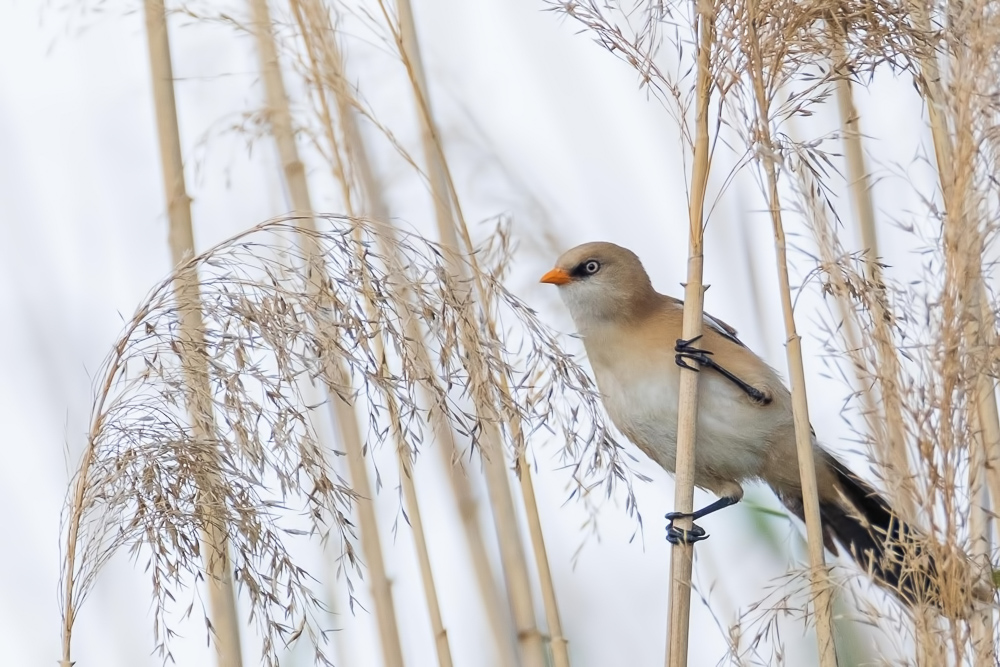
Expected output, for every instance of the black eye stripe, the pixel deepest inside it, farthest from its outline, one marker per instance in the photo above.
(586, 268)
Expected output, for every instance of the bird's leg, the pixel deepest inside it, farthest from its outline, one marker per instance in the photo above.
(677, 535)
(685, 351)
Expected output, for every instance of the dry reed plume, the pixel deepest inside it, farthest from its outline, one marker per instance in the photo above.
(272, 328)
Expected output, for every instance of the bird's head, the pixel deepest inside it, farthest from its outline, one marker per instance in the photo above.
(601, 283)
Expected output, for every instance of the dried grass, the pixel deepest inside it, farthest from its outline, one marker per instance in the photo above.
(273, 327)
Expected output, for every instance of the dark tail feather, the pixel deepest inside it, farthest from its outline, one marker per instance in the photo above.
(879, 540)
(864, 523)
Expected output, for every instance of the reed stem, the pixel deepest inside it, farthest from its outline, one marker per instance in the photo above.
(343, 413)
(218, 568)
(449, 216)
(682, 555)
(889, 431)
(822, 591)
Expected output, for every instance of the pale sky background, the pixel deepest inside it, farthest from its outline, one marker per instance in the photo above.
(541, 123)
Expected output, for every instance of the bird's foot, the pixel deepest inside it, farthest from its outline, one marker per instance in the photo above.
(677, 535)
(685, 351)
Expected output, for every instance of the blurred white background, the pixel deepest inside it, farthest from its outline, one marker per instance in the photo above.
(540, 123)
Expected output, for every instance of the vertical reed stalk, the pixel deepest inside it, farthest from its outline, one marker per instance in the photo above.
(989, 418)
(981, 330)
(371, 543)
(222, 597)
(889, 432)
(344, 415)
(932, 90)
(558, 642)
(848, 327)
(468, 507)
(512, 551)
(448, 213)
(981, 620)
(328, 72)
(404, 456)
(468, 510)
(682, 555)
(417, 524)
(929, 650)
(822, 591)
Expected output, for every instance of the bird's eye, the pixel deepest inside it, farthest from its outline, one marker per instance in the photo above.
(592, 267)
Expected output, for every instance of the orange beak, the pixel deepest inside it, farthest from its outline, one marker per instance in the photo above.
(556, 277)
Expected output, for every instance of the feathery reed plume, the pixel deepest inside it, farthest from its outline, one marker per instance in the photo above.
(946, 384)
(962, 110)
(271, 326)
(357, 153)
(896, 553)
(337, 106)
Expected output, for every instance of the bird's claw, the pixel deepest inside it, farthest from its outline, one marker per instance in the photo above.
(677, 535)
(685, 351)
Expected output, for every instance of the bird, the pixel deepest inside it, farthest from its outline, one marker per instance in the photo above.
(745, 431)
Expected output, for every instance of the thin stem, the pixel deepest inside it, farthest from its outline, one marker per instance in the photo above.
(468, 510)
(79, 493)
(682, 555)
(821, 589)
(558, 642)
(449, 212)
(222, 597)
(889, 429)
(419, 537)
(344, 415)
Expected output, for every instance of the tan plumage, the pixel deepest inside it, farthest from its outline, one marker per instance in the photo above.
(630, 332)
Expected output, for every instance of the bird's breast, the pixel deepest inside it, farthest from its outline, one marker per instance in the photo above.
(641, 397)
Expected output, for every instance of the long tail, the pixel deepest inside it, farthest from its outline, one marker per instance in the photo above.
(864, 523)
